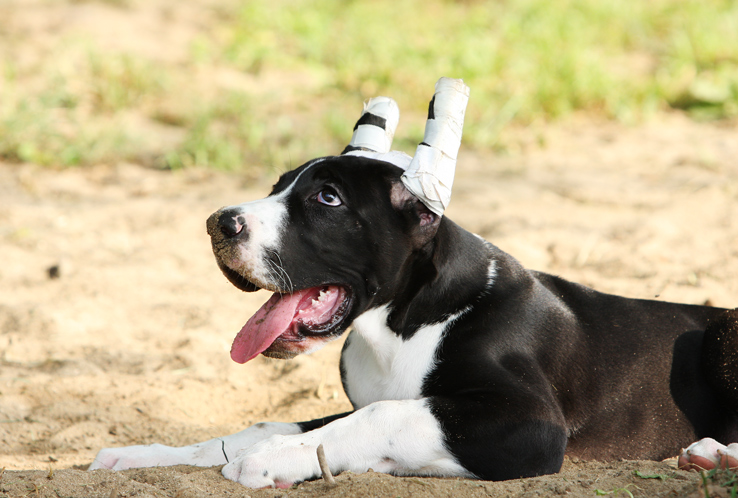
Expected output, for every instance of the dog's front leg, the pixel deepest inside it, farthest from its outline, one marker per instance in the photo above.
(398, 437)
(213, 452)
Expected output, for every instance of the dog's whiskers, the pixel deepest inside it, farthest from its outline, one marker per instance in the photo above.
(278, 274)
(290, 287)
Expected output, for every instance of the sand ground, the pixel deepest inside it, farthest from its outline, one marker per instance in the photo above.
(115, 323)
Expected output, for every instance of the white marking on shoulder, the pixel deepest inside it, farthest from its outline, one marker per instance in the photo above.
(491, 267)
(491, 273)
(380, 365)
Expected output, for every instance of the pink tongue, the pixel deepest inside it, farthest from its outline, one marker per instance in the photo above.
(266, 325)
(278, 314)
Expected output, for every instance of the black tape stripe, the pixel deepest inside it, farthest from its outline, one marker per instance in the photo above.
(371, 119)
(431, 110)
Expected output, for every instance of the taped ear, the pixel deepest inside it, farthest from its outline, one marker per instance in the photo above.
(376, 127)
(423, 222)
(430, 174)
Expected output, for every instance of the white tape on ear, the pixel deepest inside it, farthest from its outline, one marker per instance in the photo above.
(430, 175)
(376, 127)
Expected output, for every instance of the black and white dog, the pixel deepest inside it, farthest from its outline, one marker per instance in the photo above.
(460, 362)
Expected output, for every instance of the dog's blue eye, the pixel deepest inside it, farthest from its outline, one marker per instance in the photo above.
(329, 197)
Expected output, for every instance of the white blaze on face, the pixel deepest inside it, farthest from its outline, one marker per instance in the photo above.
(266, 221)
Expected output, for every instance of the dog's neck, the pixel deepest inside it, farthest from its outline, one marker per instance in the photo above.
(442, 279)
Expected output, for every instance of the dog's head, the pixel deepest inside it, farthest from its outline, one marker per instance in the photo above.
(339, 235)
(330, 241)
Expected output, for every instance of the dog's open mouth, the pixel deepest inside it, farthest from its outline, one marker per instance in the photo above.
(291, 318)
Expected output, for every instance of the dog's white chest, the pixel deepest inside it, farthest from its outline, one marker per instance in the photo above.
(379, 365)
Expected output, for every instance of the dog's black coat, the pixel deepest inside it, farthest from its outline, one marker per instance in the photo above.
(537, 366)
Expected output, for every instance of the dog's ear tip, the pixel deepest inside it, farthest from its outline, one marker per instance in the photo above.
(427, 218)
(426, 222)
(402, 198)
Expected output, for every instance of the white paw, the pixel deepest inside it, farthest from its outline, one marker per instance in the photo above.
(280, 462)
(131, 457)
(706, 454)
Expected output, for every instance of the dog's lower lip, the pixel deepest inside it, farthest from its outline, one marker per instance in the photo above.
(238, 280)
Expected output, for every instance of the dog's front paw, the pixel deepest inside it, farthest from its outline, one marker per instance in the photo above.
(706, 454)
(131, 457)
(279, 462)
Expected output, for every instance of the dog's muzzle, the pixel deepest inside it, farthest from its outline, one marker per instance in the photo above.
(229, 232)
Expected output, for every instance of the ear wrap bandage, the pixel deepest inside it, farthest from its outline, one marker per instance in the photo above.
(429, 175)
(376, 127)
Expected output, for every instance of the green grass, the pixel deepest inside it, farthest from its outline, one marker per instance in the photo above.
(720, 478)
(70, 109)
(30, 131)
(542, 59)
(526, 61)
(615, 492)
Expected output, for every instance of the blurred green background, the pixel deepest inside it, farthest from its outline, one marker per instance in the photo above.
(269, 84)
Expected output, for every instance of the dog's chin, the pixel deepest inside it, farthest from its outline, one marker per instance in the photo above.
(238, 280)
(279, 354)
(288, 349)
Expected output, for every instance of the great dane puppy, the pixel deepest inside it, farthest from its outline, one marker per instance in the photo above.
(460, 362)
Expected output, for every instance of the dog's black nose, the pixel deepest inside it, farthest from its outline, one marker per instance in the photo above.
(231, 224)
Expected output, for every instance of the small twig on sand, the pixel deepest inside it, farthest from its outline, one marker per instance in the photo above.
(327, 476)
(222, 448)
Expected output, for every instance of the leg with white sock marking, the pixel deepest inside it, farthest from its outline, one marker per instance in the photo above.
(213, 452)
(398, 437)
